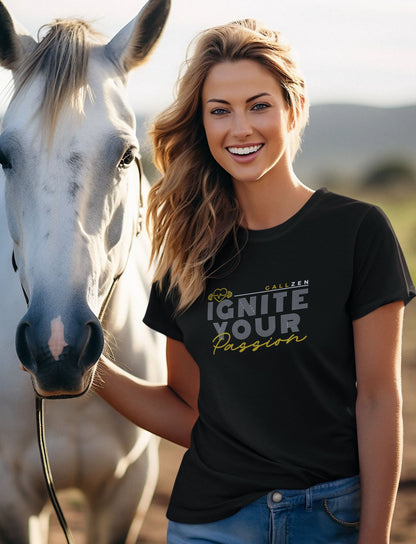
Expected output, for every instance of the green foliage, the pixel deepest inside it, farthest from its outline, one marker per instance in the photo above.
(400, 207)
(391, 171)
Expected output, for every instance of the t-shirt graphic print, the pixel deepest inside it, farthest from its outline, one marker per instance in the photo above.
(271, 315)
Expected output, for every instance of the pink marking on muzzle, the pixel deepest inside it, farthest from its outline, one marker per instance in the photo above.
(57, 342)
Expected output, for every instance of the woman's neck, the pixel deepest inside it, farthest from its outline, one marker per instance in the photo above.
(266, 205)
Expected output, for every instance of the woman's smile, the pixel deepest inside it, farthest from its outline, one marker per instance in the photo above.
(245, 153)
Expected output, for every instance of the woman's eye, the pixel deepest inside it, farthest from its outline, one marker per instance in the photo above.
(261, 106)
(218, 111)
(127, 158)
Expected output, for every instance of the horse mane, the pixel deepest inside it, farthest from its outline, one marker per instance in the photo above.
(61, 58)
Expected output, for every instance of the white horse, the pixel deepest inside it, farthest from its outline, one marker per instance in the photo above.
(69, 214)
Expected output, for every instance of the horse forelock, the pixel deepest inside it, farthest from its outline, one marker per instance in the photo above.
(61, 58)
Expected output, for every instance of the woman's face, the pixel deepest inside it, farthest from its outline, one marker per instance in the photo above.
(246, 121)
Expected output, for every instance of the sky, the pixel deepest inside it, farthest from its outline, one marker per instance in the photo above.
(350, 51)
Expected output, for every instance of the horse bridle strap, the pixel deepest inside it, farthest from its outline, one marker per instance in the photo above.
(141, 174)
(40, 418)
(15, 269)
(138, 231)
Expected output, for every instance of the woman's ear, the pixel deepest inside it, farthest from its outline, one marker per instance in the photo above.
(291, 119)
(295, 113)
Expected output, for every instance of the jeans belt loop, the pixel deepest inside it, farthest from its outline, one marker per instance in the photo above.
(308, 500)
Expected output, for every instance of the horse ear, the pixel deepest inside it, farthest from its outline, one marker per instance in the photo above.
(15, 41)
(132, 45)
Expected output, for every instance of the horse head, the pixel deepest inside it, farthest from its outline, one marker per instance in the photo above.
(68, 150)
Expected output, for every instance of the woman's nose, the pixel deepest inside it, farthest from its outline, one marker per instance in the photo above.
(241, 126)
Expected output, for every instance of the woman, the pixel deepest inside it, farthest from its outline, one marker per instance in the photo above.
(282, 308)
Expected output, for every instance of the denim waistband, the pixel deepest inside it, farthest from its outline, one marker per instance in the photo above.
(325, 490)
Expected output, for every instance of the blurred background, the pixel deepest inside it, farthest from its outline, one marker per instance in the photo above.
(358, 57)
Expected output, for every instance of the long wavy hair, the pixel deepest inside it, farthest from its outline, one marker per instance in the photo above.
(192, 209)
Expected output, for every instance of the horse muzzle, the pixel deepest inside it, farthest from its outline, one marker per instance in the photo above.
(60, 352)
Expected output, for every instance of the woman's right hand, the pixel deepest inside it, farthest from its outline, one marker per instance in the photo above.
(167, 410)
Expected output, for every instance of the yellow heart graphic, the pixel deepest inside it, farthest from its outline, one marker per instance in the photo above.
(220, 294)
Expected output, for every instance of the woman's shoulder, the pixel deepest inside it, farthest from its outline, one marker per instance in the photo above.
(344, 206)
(333, 199)
(339, 214)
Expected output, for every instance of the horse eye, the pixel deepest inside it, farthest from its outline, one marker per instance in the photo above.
(127, 158)
(5, 162)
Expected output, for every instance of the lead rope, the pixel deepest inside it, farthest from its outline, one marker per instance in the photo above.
(46, 467)
(40, 426)
(40, 418)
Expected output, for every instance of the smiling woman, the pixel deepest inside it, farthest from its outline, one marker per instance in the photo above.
(283, 340)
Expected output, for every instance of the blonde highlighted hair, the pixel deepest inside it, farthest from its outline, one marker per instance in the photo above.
(192, 210)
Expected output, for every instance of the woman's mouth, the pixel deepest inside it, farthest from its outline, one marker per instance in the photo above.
(243, 151)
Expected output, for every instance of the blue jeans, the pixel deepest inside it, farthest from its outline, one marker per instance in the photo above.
(327, 513)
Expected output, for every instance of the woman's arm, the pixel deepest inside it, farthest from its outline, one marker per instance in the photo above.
(377, 339)
(168, 410)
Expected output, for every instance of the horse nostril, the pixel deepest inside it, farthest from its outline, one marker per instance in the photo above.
(93, 345)
(23, 349)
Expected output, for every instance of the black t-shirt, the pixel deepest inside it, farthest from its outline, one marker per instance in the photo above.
(273, 341)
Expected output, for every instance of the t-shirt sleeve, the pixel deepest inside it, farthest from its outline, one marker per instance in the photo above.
(160, 313)
(381, 274)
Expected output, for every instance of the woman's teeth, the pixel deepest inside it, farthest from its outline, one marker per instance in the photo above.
(244, 150)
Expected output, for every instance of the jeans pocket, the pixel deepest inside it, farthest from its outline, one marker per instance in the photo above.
(345, 509)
